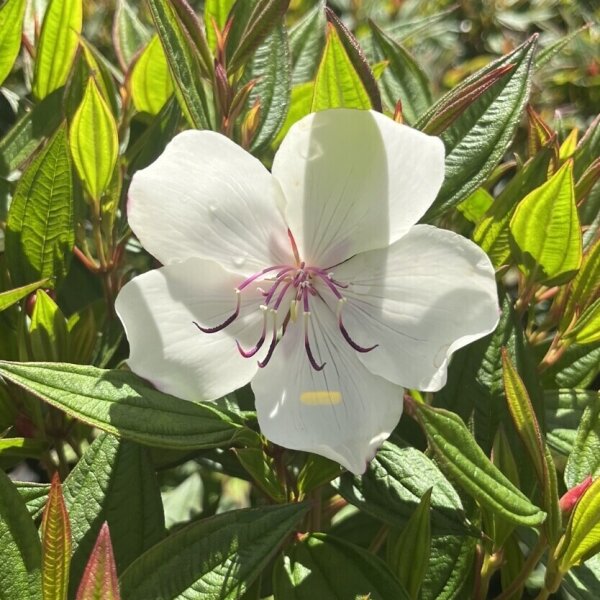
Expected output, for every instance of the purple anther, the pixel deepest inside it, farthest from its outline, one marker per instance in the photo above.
(226, 322)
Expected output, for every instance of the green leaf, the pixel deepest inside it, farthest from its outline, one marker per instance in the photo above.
(466, 463)
(395, 481)
(121, 480)
(25, 136)
(403, 80)
(57, 46)
(184, 61)
(307, 39)
(262, 470)
(587, 328)
(546, 54)
(48, 330)
(151, 83)
(337, 83)
(322, 566)
(10, 297)
(11, 26)
(99, 581)
(217, 11)
(300, 105)
(474, 207)
(121, 403)
(40, 229)
(585, 457)
(94, 141)
(270, 67)
(576, 368)
(582, 537)
(218, 557)
(35, 496)
(22, 447)
(480, 136)
(546, 230)
(316, 471)
(20, 554)
(408, 551)
(129, 33)
(56, 545)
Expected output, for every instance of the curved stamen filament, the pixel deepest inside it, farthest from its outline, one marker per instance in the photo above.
(262, 364)
(228, 321)
(346, 335)
(250, 353)
(313, 363)
(247, 282)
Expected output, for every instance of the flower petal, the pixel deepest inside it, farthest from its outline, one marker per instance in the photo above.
(429, 294)
(355, 181)
(158, 310)
(343, 412)
(207, 197)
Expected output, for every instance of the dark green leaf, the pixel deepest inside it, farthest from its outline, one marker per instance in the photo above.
(129, 33)
(585, 457)
(307, 40)
(34, 495)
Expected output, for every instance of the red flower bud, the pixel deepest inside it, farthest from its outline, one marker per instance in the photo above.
(569, 500)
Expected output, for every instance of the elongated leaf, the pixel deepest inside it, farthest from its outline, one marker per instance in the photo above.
(151, 83)
(121, 403)
(585, 457)
(587, 328)
(94, 141)
(184, 62)
(546, 54)
(218, 557)
(129, 33)
(99, 581)
(56, 545)
(403, 79)
(479, 137)
(546, 230)
(338, 570)
(35, 496)
(20, 554)
(337, 83)
(48, 330)
(464, 460)
(57, 46)
(40, 230)
(395, 481)
(307, 40)
(215, 13)
(11, 26)
(21, 141)
(10, 297)
(119, 477)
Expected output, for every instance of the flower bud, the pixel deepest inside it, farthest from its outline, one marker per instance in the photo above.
(569, 500)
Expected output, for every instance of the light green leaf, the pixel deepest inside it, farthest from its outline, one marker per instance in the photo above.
(184, 61)
(546, 230)
(218, 557)
(57, 46)
(94, 141)
(587, 328)
(217, 11)
(118, 475)
(22, 447)
(48, 330)
(337, 83)
(476, 205)
(403, 80)
(11, 26)
(10, 297)
(121, 403)
(56, 545)
(151, 83)
(40, 230)
(466, 463)
(130, 34)
(322, 566)
(300, 105)
(20, 553)
(307, 39)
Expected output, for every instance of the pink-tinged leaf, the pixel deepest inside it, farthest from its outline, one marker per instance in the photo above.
(56, 545)
(99, 581)
(571, 497)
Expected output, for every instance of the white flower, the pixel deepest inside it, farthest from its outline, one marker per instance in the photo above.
(311, 282)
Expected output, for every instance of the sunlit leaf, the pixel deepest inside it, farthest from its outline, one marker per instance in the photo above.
(11, 26)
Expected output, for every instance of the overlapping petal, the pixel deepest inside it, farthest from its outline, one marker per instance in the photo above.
(355, 181)
(158, 310)
(207, 197)
(343, 412)
(429, 294)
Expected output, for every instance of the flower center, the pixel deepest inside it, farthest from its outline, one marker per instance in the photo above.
(292, 287)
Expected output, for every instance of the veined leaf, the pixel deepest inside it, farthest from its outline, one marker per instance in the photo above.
(337, 569)
(151, 83)
(48, 330)
(121, 403)
(11, 26)
(10, 297)
(584, 459)
(57, 46)
(40, 230)
(464, 460)
(215, 13)
(307, 39)
(587, 328)
(218, 557)
(35, 496)
(546, 230)
(300, 105)
(56, 545)
(129, 33)
(337, 83)
(20, 554)
(184, 61)
(94, 141)
(99, 581)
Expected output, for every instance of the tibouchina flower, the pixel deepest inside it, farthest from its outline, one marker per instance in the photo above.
(312, 282)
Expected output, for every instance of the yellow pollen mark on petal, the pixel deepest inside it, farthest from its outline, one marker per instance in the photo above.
(320, 398)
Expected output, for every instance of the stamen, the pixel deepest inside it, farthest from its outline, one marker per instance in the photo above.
(250, 353)
(262, 364)
(314, 364)
(347, 337)
(329, 283)
(254, 277)
(227, 321)
(294, 246)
